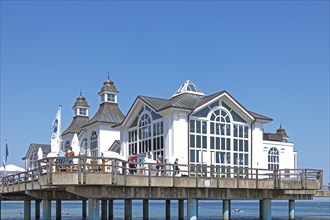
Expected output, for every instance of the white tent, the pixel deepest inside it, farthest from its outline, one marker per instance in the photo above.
(11, 169)
(112, 154)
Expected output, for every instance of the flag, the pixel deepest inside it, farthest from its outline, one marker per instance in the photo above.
(5, 158)
(56, 135)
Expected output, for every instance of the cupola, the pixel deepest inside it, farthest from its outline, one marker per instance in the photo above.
(108, 92)
(188, 87)
(281, 131)
(81, 106)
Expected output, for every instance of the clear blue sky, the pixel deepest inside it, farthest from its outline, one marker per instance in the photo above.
(272, 56)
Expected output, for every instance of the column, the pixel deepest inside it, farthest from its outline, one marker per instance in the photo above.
(145, 209)
(37, 209)
(181, 209)
(192, 209)
(27, 209)
(93, 209)
(46, 209)
(226, 209)
(104, 210)
(260, 209)
(58, 209)
(84, 209)
(266, 209)
(110, 208)
(291, 209)
(128, 209)
(168, 209)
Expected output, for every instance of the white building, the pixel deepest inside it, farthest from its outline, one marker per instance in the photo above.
(198, 129)
(203, 130)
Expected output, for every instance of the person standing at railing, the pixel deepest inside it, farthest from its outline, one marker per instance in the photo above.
(69, 153)
(158, 165)
(176, 166)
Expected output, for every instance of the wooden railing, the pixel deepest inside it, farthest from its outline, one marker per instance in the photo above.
(83, 165)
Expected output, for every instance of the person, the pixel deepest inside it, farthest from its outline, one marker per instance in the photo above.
(176, 167)
(158, 166)
(69, 153)
(132, 165)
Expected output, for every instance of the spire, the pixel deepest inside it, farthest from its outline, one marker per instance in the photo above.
(188, 87)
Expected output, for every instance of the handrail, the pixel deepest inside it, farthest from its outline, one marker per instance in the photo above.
(84, 165)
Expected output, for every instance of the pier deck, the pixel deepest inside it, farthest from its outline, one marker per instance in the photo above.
(111, 180)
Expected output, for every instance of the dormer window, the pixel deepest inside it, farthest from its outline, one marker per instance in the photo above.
(108, 97)
(83, 111)
(111, 97)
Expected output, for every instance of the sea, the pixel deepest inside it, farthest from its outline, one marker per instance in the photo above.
(319, 208)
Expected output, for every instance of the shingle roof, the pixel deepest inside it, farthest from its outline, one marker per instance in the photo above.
(190, 102)
(77, 123)
(109, 113)
(46, 148)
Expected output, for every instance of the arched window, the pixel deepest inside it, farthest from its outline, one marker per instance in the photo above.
(146, 134)
(93, 144)
(67, 145)
(273, 159)
(83, 146)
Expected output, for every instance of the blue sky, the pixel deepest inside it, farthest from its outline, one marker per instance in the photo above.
(272, 56)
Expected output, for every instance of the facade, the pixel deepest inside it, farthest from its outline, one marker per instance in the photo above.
(203, 130)
(195, 128)
(34, 153)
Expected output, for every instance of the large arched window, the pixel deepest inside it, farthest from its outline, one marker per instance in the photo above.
(273, 159)
(146, 134)
(219, 136)
(93, 144)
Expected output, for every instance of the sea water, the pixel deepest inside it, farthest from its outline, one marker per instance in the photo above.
(319, 208)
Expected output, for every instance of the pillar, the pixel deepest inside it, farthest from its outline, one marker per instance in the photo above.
(181, 209)
(110, 209)
(37, 209)
(128, 209)
(93, 209)
(27, 209)
(58, 209)
(46, 209)
(266, 209)
(192, 209)
(168, 209)
(291, 209)
(260, 209)
(104, 211)
(226, 209)
(84, 209)
(145, 209)
(0, 208)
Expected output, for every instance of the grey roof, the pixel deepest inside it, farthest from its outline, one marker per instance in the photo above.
(190, 102)
(81, 101)
(108, 86)
(109, 113)
(77, 123)
(46, 148)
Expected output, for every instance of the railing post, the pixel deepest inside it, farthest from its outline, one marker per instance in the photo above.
(257, 178)
(218, 175)
(149, 175)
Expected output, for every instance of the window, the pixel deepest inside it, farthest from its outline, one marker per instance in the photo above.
(146, 134)
(83, 146)
(82, 111)
(67, 145)
(93, 144)
(273, 159)
(111, 97)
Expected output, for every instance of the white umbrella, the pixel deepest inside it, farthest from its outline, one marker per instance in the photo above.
(40, 154)
(75, 144)
(11, 169)
(112, 154)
